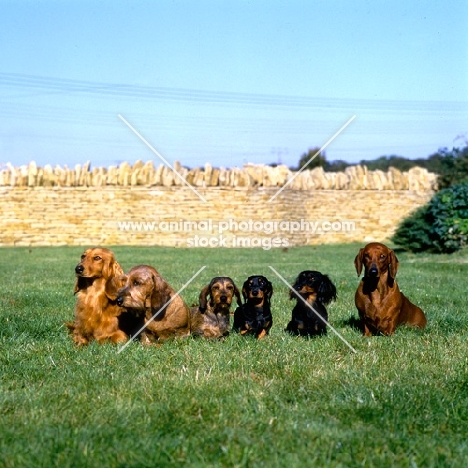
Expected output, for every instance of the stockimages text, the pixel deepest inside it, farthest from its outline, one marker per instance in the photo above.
(239, 233)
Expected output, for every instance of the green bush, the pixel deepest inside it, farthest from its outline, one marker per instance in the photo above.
(440, 226)
(453, 167)
(414, 232)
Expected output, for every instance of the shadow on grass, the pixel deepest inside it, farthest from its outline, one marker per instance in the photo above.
(354, 323)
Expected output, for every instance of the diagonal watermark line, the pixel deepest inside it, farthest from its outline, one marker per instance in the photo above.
(160, 157)
(313, 310)
(162, 308)
(311, 159)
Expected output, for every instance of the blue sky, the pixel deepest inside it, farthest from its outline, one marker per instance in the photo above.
(230, 82)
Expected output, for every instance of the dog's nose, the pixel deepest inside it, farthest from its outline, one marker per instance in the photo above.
(79, 269)
(254, 292)
(120, 301)
(223, 298)
(373, 271)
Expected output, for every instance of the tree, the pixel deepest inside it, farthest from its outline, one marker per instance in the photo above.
(452, 166)
(336, 166)
(319, 159)
(384, 162)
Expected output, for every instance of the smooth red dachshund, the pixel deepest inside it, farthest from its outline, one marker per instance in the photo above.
(381, 305)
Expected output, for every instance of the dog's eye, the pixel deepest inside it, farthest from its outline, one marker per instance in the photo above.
(136, 283)
(97, 257)
(382, 256)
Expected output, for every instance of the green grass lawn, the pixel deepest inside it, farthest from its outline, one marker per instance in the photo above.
(400, 401)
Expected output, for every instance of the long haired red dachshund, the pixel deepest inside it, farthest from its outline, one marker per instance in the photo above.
(97, 314)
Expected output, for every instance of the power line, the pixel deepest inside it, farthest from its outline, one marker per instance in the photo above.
(60, 85)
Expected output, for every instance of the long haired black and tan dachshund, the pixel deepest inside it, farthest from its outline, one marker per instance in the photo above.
(317, 290)
(254, 316)
(211, 319)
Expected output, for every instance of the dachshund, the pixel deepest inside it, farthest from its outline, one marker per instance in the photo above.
(254, 316)
(148, 297)
(97, 314)
(381, 305)
(211, 318)
(313, 291)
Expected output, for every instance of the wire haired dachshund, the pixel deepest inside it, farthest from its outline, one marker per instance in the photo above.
(211, 319)
(312, 290)
(381, 305)
(149, 298)
(254, 316)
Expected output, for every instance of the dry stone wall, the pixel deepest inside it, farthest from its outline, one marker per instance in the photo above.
(147, 205)
(251, 175)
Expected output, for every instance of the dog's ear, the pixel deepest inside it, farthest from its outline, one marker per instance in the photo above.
(115, 269)
(269, 290)
(113, 285)
(292, 292)
(244, 290)
(111, 268)
(393, 264)
(160, 294)
(237, 294)
(149, 302)
(358, 261)
(203, 297)
(326, 291)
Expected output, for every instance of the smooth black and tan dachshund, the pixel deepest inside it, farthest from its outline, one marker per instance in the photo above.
(254, 316)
